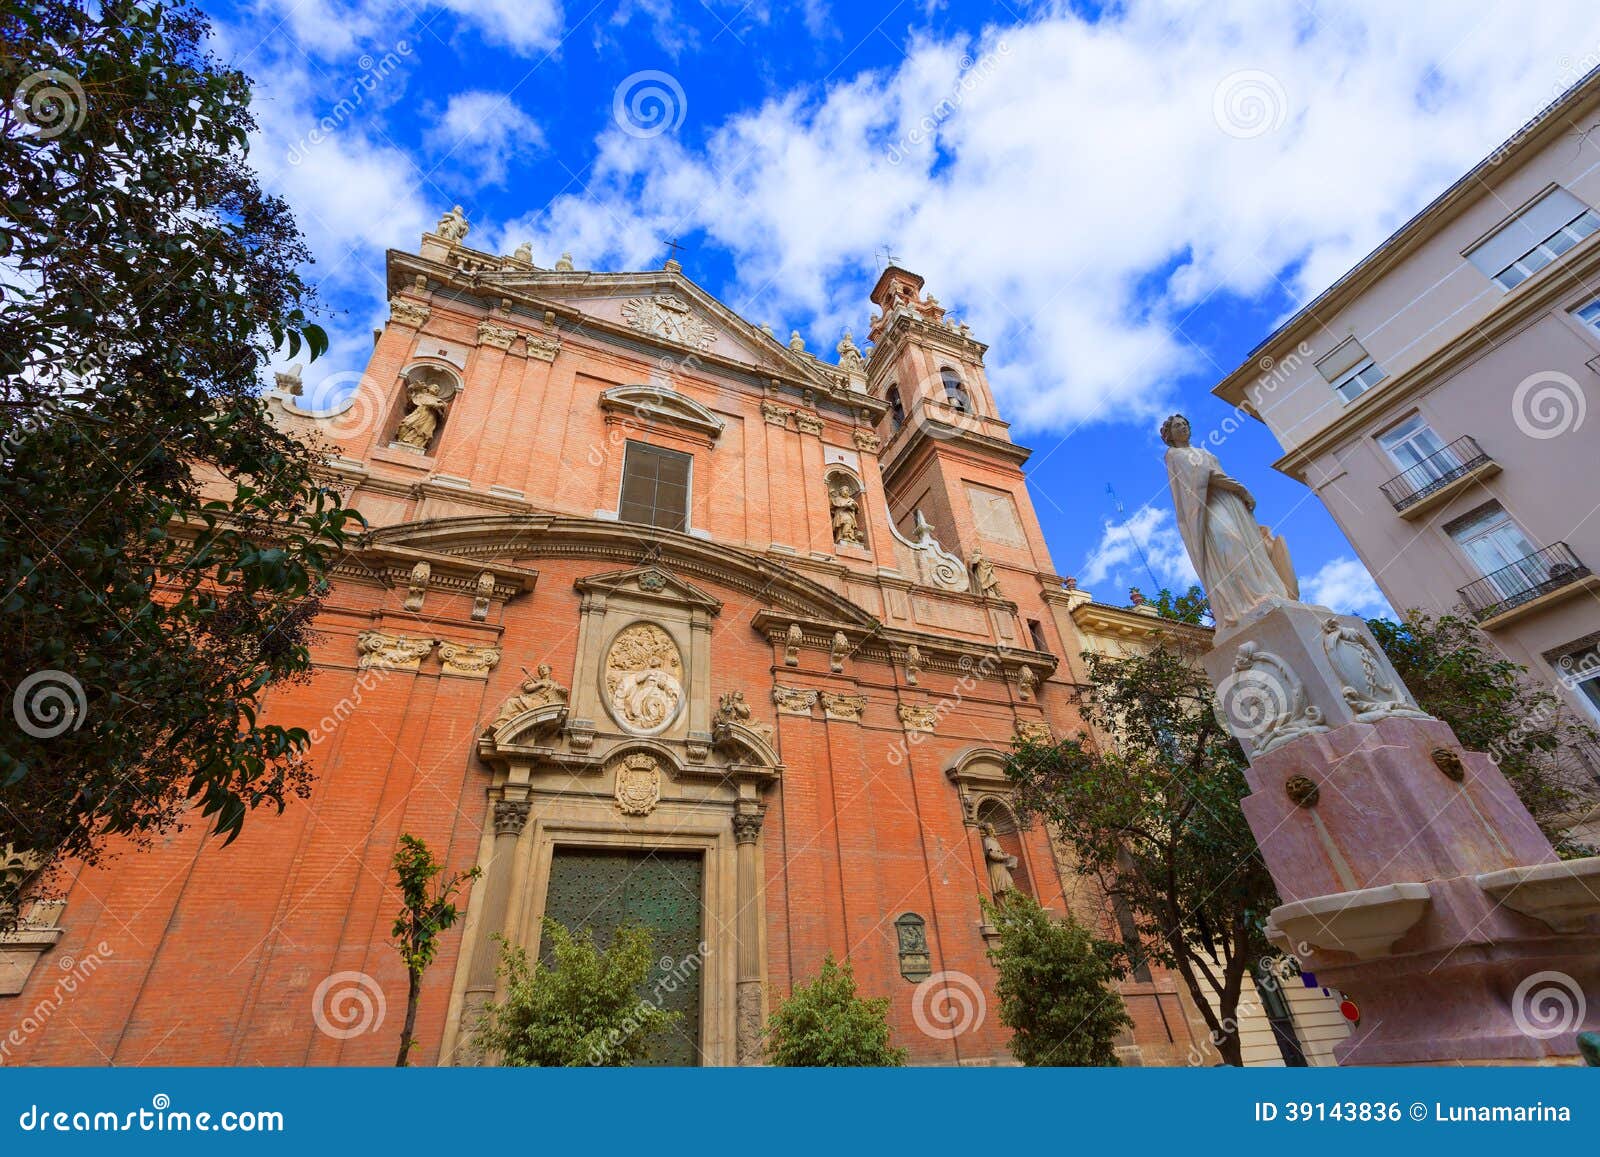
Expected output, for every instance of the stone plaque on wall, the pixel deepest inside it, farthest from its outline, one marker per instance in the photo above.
(916, 964)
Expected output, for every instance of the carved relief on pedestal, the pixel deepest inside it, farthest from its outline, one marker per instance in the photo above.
(917, 717)
(638, 785)
(668, 317)
(395, 652)
(793, 700)
(1263, 702)
(843, 707)
(462, 659)
(1364, 681)
(749, 1026)
(643, 679)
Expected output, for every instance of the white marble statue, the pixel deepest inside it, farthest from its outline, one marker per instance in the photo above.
(1240, 563)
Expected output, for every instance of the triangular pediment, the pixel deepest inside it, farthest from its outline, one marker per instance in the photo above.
(666, 308)
(650, 582)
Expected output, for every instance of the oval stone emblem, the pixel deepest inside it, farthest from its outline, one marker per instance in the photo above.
(644, 679)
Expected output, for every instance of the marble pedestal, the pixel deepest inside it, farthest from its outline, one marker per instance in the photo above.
(1411, 876)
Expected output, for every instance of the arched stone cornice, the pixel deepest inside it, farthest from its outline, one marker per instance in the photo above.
(559, 536)
(979, 774)
(665, 406)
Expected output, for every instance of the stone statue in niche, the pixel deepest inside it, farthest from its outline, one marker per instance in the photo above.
(453, 225)
(1240, 563)
(984, 580)
(429, 400)
(846, 514)
(540, 690)
(1000, 862)
(644, 679)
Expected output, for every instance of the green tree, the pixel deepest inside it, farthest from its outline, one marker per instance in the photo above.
(582, 1008)
(427, 911)
(162, 544)
(1189, 607)
(825, 1024)
(1055, 986)
(1154, 815)
(1456, 673)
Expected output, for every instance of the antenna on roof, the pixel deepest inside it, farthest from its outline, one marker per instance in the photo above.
(1155, 583)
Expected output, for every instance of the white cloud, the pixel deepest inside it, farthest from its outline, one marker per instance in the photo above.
(483, 131)
(1344, 585)
(1045, 177)
(1116, 558)
(332, 28)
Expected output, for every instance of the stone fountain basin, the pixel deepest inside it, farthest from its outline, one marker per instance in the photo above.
(1365, 923)
(1564, 894)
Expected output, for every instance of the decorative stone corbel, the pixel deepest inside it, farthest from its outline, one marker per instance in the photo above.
(410, 313)
(918, 717)
(913, 664)
(808, 423)
(472, 662)
(794, 700)
(775, 415)
(838, 652)
(843, 707)
(417, 586)
(391, 652)
(480, 600)
(791, 650)
(866, 441)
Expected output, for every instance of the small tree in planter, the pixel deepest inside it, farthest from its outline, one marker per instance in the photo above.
(582, 1009)
(825, 1024)
(428, 911)
(1055, 986)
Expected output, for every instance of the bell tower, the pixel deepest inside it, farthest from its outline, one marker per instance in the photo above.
(946, 451)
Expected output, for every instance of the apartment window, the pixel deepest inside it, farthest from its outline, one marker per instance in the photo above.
(1589, 314)
(1581, 671)
(655, 487)
(1412, 445)
(1492, 540)
(1349, 369)
(1534, 238)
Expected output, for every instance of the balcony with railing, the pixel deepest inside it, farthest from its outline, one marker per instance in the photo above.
(1438, 476)
(1526, 584)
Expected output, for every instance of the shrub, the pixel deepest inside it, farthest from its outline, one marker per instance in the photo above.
(825, 1024)
(583, 1008)
(1054, 989)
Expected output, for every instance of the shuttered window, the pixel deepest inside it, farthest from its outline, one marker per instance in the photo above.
(655, 487)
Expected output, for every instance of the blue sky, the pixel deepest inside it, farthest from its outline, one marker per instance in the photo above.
(1122, 201)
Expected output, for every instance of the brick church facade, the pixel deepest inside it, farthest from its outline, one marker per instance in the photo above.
(661, 619)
